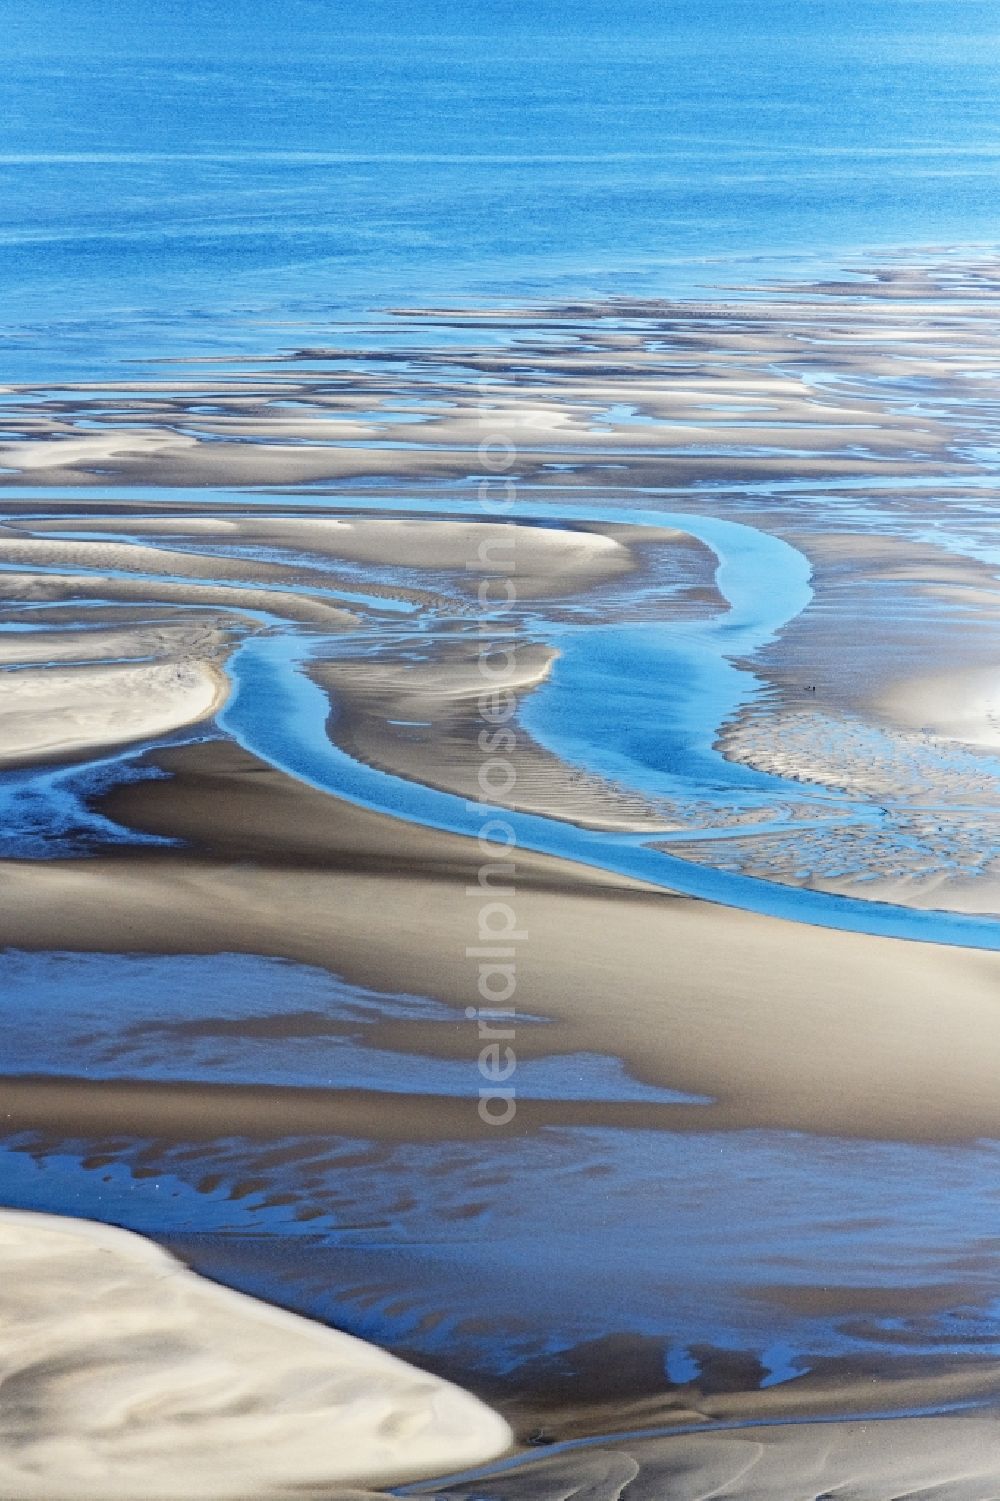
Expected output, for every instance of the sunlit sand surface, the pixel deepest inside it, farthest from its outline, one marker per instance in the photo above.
(125, 1375)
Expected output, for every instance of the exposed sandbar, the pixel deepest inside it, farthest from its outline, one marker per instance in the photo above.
(126, 1375)
(57, 713)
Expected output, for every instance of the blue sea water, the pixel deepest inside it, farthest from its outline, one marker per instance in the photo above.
(176, 176)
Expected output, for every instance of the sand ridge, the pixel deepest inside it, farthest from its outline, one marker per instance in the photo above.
(127, 1375)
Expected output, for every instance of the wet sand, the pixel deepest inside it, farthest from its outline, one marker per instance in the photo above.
(957, 1456)
(778, 1025)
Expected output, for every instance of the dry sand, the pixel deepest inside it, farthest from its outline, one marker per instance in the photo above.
(128, 1378)
(55, 714)
(544, 562)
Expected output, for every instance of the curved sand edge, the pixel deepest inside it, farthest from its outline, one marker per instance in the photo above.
(56, 714)
(128, 1376)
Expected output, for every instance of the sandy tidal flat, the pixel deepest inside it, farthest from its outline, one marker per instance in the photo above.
(954, 1457)
(738, 622)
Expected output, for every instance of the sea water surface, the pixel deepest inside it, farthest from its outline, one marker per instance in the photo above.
(170, 175)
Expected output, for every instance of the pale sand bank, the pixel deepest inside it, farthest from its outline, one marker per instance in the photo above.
(130, 636)
(424, 721)
(544, 561)
(55, 714)
(56, 588)
(128, 1378)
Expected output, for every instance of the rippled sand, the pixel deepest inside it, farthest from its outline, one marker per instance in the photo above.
(881, 1461)
(750, 639)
